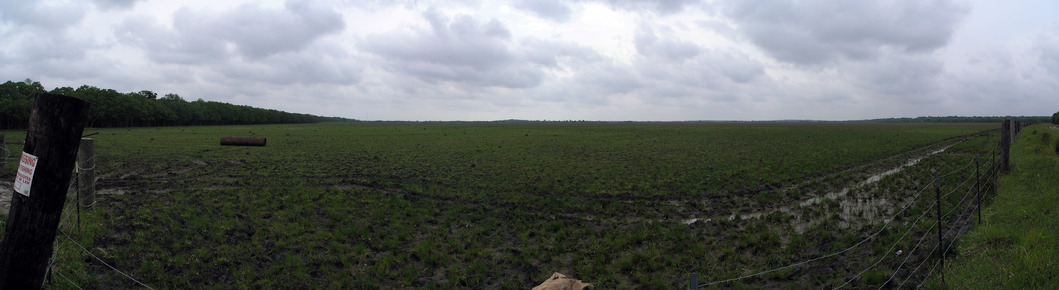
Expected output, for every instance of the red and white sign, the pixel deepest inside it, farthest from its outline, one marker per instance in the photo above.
(26, 167)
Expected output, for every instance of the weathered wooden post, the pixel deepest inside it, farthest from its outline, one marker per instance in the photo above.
(992, 171)
(55, 126)
(1005, 145)
(3, 154)
(86, 173)
(1014, 130)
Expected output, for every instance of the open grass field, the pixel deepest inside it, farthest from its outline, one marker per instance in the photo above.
(502, 205)
(1017, 247)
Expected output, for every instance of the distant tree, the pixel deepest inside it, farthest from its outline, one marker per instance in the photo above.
(16, 99)
(1055, 118)
(173, 97)
(111, 108)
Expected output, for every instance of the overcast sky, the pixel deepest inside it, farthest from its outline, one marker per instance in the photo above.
(553, 60)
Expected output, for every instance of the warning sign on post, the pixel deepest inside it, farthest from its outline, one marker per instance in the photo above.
(26, 167)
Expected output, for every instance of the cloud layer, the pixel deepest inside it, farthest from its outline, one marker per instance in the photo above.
(558, 60)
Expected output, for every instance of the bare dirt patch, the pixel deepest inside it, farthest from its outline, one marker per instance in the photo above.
(5, 196)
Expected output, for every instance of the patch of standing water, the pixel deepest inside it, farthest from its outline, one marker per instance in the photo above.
(693, 220)
(871, 179)
(850, 209)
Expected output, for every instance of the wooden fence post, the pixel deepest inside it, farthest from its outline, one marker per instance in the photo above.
(3, 154)
(86, 173)
(55, 126)
(1005, 145)
(992, 172)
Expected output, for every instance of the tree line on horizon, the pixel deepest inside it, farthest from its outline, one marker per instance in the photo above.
(960, 119)
(110, 108)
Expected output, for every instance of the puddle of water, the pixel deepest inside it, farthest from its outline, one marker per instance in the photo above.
(863, 211)
(111, 191)
(866, 209)
(871, 179)
(693, 220)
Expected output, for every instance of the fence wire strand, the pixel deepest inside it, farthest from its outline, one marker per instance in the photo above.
(68, 280)
(960, 221)
(936, 263)
(893, 218)
(887, 254)
(896, 271)
(104, 262)
(910, 274)
(967, 211)
(992, 175)
(925, 279)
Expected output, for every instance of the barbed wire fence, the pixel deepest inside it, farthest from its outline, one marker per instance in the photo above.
(955, 226)
(73, 209)
(969, 203)
(60, 242)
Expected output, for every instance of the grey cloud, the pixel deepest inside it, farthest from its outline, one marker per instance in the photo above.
(57, 46)
(192, 43)
(115, 4)
(552, 10)
(593, 84)
(254, 32)
(560, 11)
(38, 32)
(513, 77)
(907, 78)
(674, 69)
(461, 42)
(182, 45)
(259, 32)
(314, 66)
(40, 15)
(815, 32)
(736, 66)
(660, 6)
(719, 27)
(714, 76)
(456, 49)
(1047, 47)
(609, 79)
(550, 53)
(649, 45)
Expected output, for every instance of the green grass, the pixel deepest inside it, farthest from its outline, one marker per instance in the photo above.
(483, 205)
(1017, 245)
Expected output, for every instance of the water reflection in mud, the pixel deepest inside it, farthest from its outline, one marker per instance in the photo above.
(851, 211)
